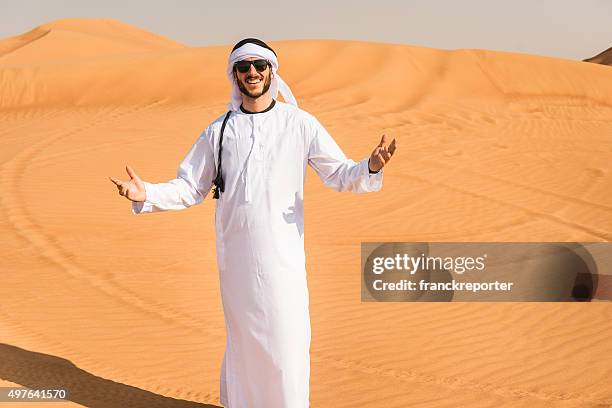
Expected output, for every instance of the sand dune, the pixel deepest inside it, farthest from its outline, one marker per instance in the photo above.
(494, 146)
(604, 57)
(75, 39)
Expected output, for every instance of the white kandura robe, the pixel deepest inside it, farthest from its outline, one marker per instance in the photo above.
(260, 242)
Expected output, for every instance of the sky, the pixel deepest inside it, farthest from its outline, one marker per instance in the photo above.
(574, 29)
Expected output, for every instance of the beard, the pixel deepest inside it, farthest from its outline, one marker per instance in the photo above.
(255, 95)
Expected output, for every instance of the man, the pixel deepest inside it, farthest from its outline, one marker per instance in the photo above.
(258, 166)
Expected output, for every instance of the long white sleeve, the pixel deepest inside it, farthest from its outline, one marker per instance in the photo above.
(334, 168)
(192, 183)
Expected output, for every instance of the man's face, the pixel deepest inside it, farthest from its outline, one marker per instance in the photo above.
(253, 83)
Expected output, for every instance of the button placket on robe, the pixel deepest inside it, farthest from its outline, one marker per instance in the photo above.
(252, 151)
(260, 157)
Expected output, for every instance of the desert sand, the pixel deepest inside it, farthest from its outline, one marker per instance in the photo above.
(125, 310)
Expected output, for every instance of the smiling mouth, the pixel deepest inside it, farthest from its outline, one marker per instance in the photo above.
(253, 81)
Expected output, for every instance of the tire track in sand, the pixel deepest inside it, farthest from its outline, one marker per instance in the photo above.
(26, 228)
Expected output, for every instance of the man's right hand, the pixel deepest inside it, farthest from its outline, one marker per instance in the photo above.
(132, 189)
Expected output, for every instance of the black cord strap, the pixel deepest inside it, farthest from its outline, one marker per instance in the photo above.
(218, 181)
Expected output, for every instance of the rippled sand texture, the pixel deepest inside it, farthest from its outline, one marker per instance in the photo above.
(125, 310)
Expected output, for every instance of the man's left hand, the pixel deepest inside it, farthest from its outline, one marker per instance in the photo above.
(381, 154)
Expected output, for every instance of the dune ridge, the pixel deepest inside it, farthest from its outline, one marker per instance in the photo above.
(604, 57)
(104, 54)
(79, 38)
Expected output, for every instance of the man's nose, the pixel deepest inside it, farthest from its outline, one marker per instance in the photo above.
(252, 70)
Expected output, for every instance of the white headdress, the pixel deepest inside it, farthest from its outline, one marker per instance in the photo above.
(252, 47)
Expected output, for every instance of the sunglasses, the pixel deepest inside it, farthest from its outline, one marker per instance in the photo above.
(244, 66)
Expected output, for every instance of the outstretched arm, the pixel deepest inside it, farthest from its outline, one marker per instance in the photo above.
(343, 174)
(192, 184)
